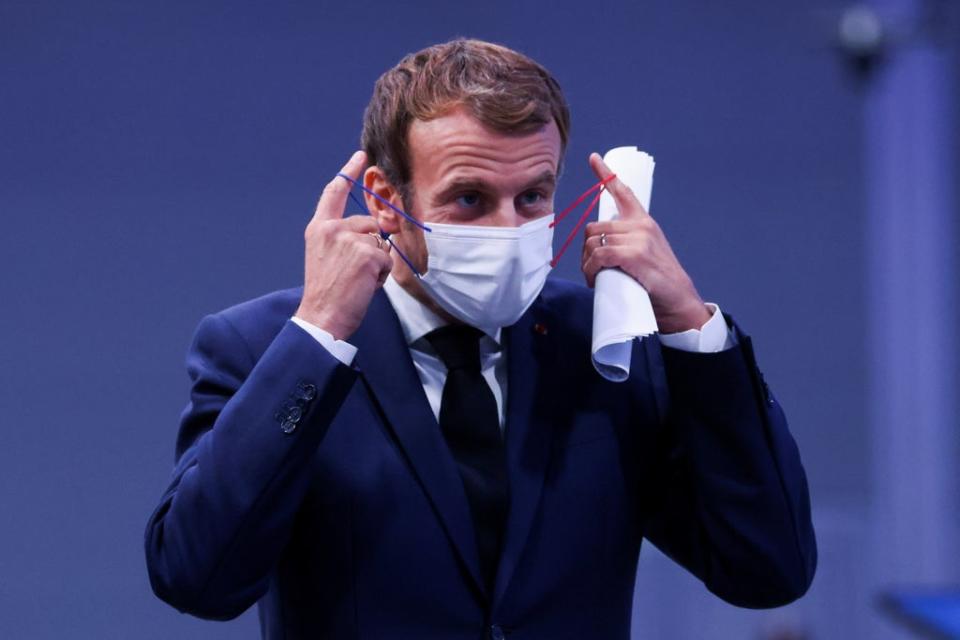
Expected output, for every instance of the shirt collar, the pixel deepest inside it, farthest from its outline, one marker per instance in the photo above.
(417, 320)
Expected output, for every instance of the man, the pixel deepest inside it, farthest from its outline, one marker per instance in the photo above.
(415, 444)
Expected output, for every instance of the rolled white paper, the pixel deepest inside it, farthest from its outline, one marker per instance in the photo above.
(621, 307)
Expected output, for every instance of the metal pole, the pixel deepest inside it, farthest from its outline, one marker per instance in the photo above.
(912, 323)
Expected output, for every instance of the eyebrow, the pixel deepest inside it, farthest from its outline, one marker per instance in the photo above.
(547, 178)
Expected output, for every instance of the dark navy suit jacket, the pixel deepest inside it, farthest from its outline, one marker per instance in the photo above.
(326, 493)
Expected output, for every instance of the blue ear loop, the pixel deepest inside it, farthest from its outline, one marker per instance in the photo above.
(384, 234)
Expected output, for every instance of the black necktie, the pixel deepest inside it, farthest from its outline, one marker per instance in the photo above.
(471, 426)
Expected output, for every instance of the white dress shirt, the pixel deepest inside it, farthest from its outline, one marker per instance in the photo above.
(417, 321)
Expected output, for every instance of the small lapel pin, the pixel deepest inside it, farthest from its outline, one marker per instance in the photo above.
(540, 328)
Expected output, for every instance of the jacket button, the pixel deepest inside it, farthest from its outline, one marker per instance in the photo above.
(294, 413)
(288, 425)
(496, 633)
(306, 391)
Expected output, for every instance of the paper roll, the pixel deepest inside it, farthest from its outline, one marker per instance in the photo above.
(621, 307)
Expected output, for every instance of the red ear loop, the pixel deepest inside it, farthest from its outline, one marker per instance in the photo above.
(586, 214)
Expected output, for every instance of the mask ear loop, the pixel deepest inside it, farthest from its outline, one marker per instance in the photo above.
(384, 234)
(600, 187)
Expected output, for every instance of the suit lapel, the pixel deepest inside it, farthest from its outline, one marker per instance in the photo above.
(386, 366)
(528, 435)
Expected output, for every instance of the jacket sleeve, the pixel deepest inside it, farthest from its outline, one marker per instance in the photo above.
(245, 441)
(731, 503)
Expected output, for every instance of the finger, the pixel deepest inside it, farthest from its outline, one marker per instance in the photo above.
(379, 241)
(379, 262)
(334, 197)
(386, 265)
(590, 246)
(599, 258)
(384, 272)
(627, 203)
(591, 239)
(589, 272)
(609, 227)
(592, 243)
(360, 224)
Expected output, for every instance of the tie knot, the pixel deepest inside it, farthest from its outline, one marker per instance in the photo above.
(458, 346)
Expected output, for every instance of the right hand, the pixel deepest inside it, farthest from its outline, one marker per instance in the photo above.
(344, 265)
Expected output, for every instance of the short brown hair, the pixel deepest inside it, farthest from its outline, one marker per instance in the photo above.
(503, 89)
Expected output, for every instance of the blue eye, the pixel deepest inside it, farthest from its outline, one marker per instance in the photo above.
(531, 198)
(469, 200)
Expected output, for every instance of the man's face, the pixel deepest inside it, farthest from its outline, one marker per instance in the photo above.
(464, 173)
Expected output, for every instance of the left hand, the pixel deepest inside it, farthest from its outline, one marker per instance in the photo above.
(636, 244)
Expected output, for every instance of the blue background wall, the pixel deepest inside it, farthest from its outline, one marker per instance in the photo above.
(158, 161)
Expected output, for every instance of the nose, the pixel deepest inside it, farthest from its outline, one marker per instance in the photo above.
(506, 214)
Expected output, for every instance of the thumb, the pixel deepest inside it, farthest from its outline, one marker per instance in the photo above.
(333, 200)
(627, 203)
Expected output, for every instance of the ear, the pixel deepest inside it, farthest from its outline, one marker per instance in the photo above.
(376, 180)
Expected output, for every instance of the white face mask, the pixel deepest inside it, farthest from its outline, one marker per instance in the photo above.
(488, 276)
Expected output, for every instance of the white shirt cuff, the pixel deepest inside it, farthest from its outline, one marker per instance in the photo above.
(342, 351)
(712, 337)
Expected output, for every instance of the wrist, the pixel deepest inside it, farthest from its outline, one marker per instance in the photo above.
(323, 320)
(691, 315)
